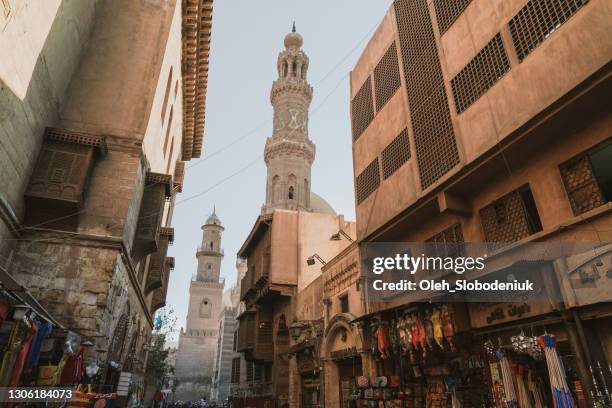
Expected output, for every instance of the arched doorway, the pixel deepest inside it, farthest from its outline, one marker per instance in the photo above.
(342, 348)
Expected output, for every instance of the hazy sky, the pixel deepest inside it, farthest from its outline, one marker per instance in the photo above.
(246, 39)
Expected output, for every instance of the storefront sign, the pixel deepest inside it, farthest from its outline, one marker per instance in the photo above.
(305, 362)
(488, 314)
(344, 353)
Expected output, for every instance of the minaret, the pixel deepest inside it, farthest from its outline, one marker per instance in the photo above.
(289, 153)
(209, 253)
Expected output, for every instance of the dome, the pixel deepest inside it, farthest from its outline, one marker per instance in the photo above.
(213, 219)
(293, 39)
(319, 205)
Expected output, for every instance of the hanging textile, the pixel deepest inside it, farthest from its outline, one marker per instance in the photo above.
(507, 379)
(73, 371)
(558, 384)
(12, 352)
(44, 330)
(25, 348)
(4, 309)
(523, 398)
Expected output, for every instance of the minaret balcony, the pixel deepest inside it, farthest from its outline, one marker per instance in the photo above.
(203, 250)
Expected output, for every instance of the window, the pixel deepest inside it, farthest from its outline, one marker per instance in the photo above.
(211, 246)
(205, 308)
(235, 370)
(208, 267)
(511, 218)
(291, 193)
(166, 96)
(168, 132)
(588, 178)
(362, 109)
(344, 303)
(367, 181)
(537, 20)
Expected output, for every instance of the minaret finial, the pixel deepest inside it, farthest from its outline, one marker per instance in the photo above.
(214, 209)
(293, 29)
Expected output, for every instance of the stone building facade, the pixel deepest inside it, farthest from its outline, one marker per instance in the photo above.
(226, 356)
(490, 122)
(195, 359)
(102, 104)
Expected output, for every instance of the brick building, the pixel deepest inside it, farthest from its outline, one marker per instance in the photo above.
(489, 121)
(102, 106)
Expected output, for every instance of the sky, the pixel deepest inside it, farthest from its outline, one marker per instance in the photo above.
(247, 36)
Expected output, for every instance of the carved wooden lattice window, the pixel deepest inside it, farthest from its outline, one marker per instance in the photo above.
(510, 218)
(395, 154)
(157, 263)
(250, 372)
(362, 109)
(368, 181)
(436, 147)
(537, 20)
(588, 180)
(386, 77)
(157, 188)
(448, 242)
(58, 184)
(447, 11)
(118, 339)
(480, 74)
(235, 370)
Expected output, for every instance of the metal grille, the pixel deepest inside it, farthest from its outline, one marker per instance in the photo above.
(487, 67)
(537, 20)
(505, 220)
(581, 185)
(362, 109)
(447, 12)
(447, 243)
(436, 147)
(386, 77)
(368, 181)
(395, 154)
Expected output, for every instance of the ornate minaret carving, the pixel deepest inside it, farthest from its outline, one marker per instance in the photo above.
(289, 153)
(209, 253)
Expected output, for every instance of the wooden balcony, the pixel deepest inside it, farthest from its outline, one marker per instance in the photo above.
(246, 331)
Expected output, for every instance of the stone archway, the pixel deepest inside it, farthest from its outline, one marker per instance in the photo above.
(341, 341)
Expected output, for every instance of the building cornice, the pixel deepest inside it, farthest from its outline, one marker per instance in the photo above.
(196, 33)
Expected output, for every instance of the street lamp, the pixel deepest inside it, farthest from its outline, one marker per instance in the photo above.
(338, 236)
(311, 260)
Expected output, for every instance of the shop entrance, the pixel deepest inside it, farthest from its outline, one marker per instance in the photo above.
(348, 370)
(311, 393)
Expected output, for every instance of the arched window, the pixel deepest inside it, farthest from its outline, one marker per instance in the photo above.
(205, 308)
(286, 70)
(275, 188)
(294, 69)
(209, 267)
(211, 245)
(291, 193)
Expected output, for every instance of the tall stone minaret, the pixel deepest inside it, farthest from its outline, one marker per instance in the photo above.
(198, 340)
(210, 254)
(289, 153)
